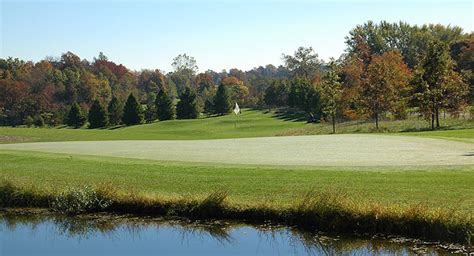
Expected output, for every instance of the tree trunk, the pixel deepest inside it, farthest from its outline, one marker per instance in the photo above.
(437, 117)
(377, 121)
(432, 115)
(432, 120)
(333, 123)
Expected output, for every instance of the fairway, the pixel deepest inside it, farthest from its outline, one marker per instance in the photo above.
(322, 150)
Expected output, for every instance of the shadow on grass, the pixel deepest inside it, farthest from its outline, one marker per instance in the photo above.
(290, 115)
(120, 126)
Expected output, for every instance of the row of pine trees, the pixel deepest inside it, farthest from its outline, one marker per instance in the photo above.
(132, 112)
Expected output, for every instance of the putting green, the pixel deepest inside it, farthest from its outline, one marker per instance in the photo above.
(322, 150)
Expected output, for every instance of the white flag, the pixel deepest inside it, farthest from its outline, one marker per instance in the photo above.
(236, 109)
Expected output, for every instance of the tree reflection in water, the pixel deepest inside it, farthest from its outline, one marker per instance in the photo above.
(84, 227)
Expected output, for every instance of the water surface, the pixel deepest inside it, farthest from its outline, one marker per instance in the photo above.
(46, 234)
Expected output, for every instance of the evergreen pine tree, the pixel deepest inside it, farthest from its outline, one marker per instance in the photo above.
(187, 106)
(209, 108)
(222, 104)
(115, 111)
(165, 109)
(150, 113)
(75, 118)
(98, 116)
(39, 121)
(132, 111)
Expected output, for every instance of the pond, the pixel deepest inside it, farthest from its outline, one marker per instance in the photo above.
(42, 233)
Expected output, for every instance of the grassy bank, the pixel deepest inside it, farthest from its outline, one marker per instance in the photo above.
(252, 123)
(330, 211)
(437, 186)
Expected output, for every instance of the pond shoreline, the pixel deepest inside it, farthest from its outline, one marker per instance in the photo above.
(326, 212)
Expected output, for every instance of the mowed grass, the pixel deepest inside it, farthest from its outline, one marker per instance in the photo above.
(342, 150)
(445, 187)
(252, 123)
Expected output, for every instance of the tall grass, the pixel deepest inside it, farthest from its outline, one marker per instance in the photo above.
(330, 211)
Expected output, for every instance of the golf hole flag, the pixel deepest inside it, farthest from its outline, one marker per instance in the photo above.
(236, 109)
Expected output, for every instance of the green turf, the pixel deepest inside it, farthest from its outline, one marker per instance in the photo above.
(252, 123)
(317, 150)
(440, 185)
(435, 186)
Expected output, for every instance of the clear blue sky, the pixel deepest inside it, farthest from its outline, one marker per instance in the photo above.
(219, 34)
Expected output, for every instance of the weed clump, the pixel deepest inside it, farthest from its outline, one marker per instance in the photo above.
(80, 200)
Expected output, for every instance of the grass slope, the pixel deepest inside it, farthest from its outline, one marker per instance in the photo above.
(252, 123)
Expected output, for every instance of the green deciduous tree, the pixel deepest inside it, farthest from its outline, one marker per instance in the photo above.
(222, 103)
(436, 84)
(165, 109)
(187, 105)
(75, 117)
(98, 116)
(276, 95)
(303, 64)
(132, 111)
(331, 94)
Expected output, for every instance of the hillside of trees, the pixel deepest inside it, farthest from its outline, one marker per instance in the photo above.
(387, 70)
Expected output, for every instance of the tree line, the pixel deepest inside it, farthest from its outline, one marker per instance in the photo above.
(388, 69)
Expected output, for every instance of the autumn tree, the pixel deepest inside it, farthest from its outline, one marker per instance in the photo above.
(436, 84)
(98, 116)
(331, 93)
(115, 111)
(238, 92)
(222, 104)
(352, 78)
(387, 77)
(132, 111)
(75, 117)
(187, 106)
(165, 109)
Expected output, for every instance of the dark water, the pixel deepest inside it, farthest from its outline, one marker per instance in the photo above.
(36, 233)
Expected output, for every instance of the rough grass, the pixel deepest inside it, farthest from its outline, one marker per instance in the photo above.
(327, 211)
(252, 123)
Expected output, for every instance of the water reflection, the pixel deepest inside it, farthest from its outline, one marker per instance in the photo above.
(34, 232)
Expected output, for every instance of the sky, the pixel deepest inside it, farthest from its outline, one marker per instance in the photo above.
(218, 34)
